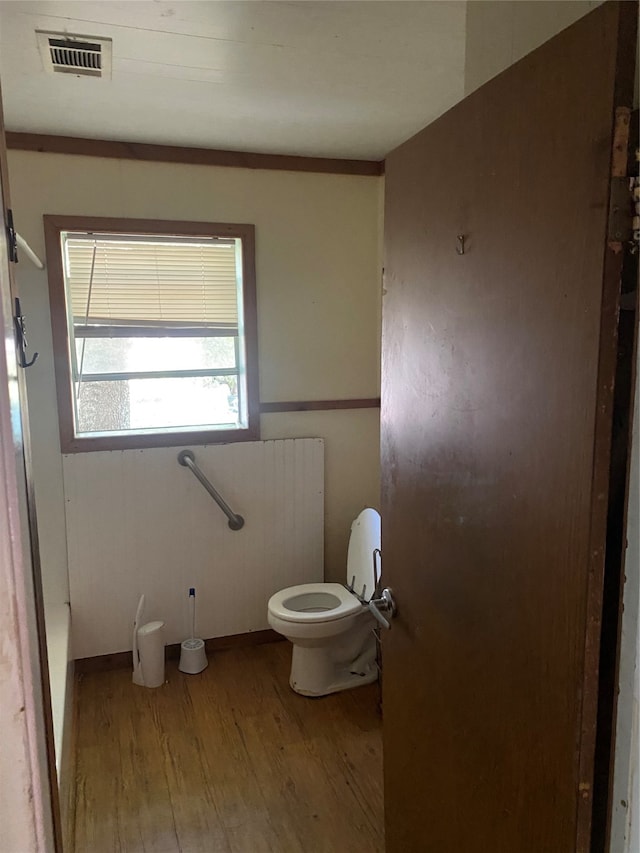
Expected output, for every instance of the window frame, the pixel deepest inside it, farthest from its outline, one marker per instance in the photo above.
(54, 225)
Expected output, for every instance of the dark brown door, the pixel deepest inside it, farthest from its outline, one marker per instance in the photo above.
(498, 365)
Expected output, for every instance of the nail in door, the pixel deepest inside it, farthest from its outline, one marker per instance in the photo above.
(498, 364)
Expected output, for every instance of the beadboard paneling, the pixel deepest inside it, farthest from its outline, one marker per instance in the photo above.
(138, 522)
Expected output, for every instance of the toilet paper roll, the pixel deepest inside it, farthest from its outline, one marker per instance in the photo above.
(151, 651)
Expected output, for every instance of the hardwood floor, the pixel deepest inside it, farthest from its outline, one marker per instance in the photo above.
(228, 761)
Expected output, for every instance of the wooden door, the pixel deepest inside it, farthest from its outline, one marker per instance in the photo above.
(498, 366)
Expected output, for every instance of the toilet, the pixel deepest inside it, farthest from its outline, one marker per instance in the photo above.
(330, 625)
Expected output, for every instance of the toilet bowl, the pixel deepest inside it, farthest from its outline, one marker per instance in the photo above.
(330, 625)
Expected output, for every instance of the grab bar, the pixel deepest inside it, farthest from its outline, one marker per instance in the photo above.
(188, 460)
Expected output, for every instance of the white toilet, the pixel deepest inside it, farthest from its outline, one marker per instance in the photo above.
(330, 625)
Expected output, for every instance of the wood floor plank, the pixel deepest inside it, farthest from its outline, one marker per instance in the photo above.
(320, 724)
(352, 739)
(227, 761)
(238, 795)
(150, 827)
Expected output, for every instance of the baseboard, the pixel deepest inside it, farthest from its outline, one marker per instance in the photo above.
(122, 660)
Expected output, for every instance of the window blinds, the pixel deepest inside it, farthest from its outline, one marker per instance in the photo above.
(138, 281)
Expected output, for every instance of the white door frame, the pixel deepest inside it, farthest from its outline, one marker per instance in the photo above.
(25, 785)
(625, 822)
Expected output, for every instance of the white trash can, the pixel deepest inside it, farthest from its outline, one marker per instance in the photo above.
(148, 670)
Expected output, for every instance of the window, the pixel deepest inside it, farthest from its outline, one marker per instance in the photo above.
(154, 332)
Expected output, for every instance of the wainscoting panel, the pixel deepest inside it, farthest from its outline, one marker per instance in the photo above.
(138, 522)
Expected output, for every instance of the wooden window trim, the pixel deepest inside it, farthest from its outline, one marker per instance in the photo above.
(69, 442)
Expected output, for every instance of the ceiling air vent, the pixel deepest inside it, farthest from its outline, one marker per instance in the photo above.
(84, 56)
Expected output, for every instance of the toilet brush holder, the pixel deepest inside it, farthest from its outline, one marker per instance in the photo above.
(193, 658)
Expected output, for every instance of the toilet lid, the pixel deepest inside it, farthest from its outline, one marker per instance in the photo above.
(365, 538)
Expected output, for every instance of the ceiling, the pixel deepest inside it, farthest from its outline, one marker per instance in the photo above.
(329, 79)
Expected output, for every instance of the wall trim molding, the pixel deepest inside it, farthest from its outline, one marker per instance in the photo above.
(121, 660)
(151, 153)
(319, 405)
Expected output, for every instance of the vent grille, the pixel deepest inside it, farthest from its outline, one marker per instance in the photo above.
(81, 57)
(71, 54)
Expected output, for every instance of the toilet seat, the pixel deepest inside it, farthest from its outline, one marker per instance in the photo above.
(312, 603)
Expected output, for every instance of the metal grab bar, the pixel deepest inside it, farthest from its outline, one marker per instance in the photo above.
(188, 460)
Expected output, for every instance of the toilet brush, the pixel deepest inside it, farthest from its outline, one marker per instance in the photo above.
(193, 658)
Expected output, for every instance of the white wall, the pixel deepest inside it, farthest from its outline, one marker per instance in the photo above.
(158, 533)
(318, 258)
(501, 33)
(625, 828)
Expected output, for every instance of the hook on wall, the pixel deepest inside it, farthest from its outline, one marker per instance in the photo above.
(21, 337)
(460, 240)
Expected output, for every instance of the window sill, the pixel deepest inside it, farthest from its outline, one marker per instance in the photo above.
(73, 444)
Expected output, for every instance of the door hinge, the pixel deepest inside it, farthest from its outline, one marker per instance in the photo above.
(621, 210)
(624, 208)
(12, 239)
